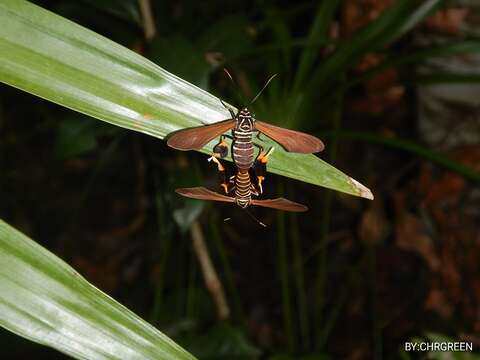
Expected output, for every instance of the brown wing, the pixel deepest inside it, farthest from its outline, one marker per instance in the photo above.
(202, 193)
(281, 204)
(291, 140)
(197, 137)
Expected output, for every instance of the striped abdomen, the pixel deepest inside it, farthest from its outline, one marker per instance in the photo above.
(242, 149)
(243, 191)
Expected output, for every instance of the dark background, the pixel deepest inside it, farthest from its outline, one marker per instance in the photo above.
(351, 278)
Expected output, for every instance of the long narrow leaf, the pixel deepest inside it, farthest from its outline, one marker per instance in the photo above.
(45, 300)
(318, 33)
(393, 23)
(53, 58)
(446, 78)
(423, 9)
(414, 148)
(418, 56)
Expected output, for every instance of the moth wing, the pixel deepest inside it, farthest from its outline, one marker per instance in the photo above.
(281, 204)
(202, 193)
(197, 137)
(291, 140)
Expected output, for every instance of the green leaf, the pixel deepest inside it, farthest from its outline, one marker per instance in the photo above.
(43, 299)
(393, 22)
(303, 357)
(412, 147)
(318, 33)
(222, 342)
(58, 60)
(446, 78)
(422, 10)
(421, 55)
(325, 79)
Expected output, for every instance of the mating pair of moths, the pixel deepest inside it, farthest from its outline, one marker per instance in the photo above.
(250, 170)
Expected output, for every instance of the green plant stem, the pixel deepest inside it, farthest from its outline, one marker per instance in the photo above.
(325, 228)
(405, 145)
(163, 215)
(342, 299)
(282, 261)
(190, 298)
(160, 282)
(102, 161)
(181, 282)
(322, 269)
(299, 282)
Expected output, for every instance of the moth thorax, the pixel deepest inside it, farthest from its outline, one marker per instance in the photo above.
(245, 124)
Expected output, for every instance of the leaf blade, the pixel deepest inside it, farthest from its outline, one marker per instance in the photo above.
(45, 300)
(62, 62)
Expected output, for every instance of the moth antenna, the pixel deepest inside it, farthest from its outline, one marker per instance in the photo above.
(253, 217)
(230, 76)
(264, 87)
(232, 114)
(235, 88)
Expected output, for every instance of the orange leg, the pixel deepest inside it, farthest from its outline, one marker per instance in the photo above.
(225, 183)
(260, 168)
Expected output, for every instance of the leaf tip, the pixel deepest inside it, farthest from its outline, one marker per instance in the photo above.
(362, 190)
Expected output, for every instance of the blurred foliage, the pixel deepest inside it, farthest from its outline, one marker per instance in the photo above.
(221, 342)
(345, 280)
